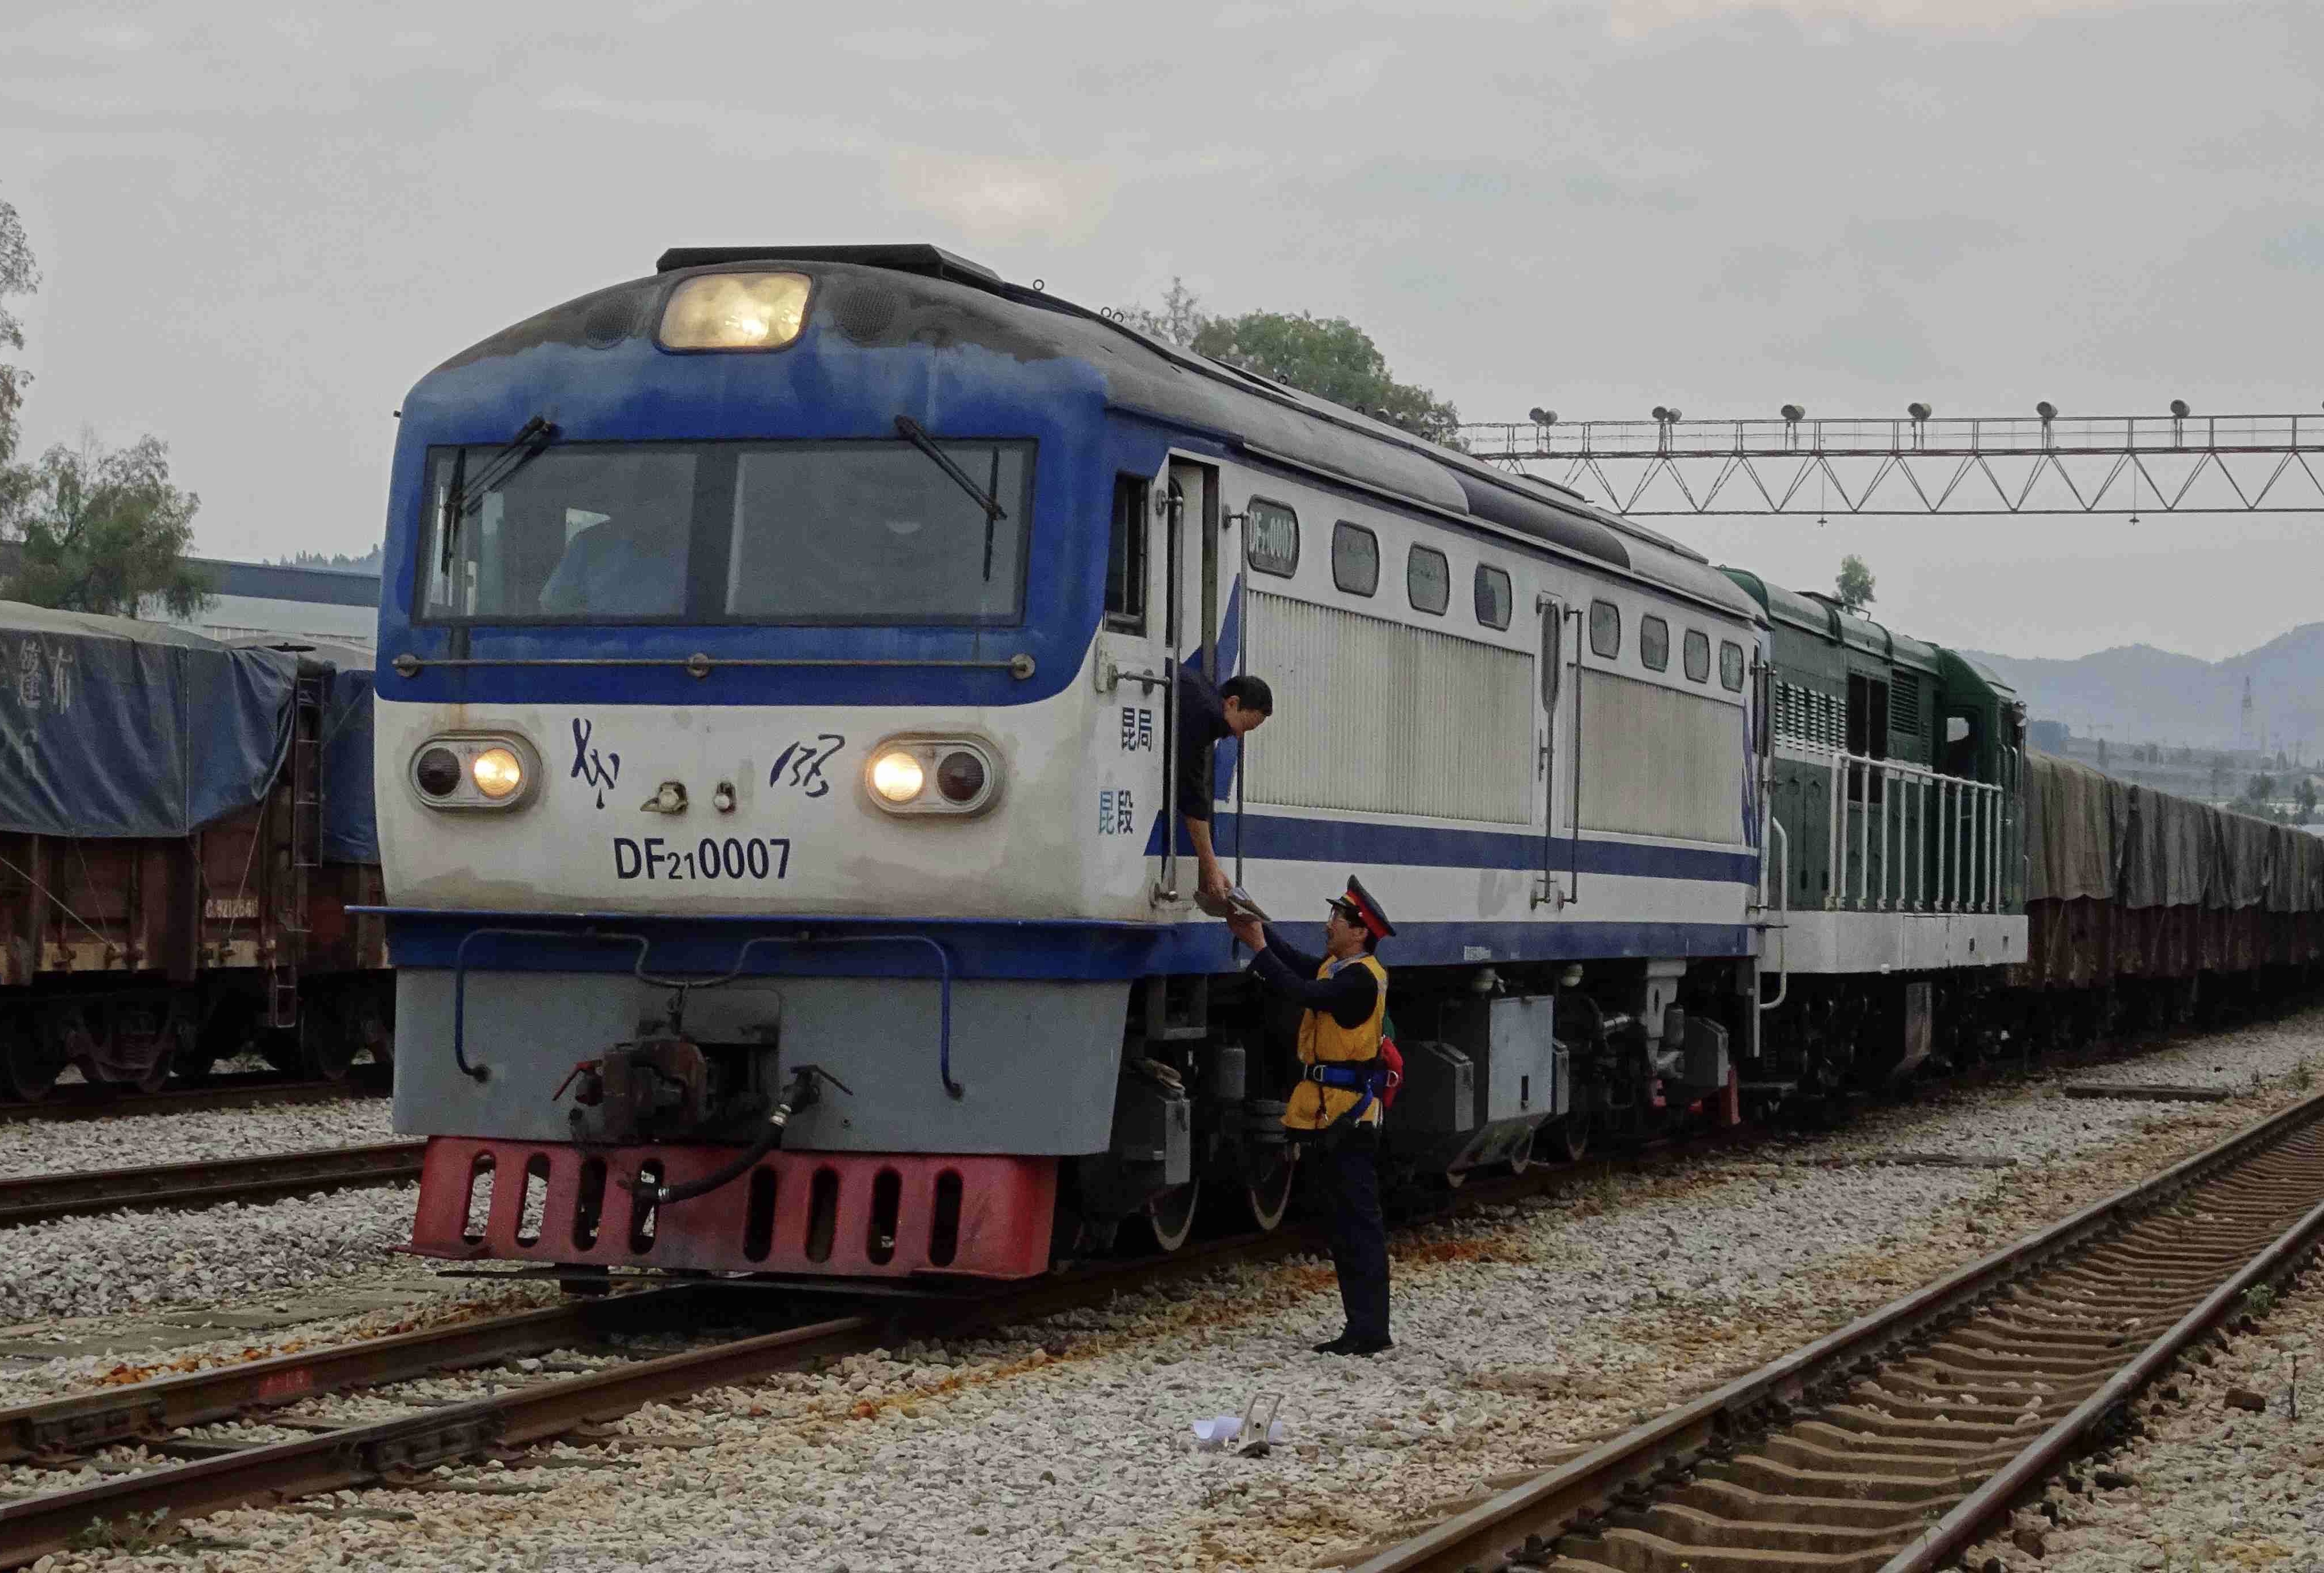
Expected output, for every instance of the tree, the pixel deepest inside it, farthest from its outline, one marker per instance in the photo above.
(2260, 787)
(103, 529)
(1854, 583)
(2218, 777)
(18, 276)
(2305, 796)
(1330, 357)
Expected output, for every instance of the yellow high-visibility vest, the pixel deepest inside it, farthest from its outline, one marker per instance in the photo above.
(1324, 1041)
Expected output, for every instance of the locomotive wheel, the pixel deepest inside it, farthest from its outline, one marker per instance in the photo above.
(1165, 1221)
(1565, 1139)
(1267, 1198)
(29, 1066)
(327, 1037)
(1521, 1155)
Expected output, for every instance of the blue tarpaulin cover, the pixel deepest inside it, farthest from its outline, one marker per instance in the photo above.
(111, 727)
(350, 831)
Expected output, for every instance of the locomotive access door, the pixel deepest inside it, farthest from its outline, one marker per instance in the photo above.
(1548, 755)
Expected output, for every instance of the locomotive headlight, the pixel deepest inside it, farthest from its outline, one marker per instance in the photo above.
(475, 770)
(964, 772)
(735, 311)
(497, 773)
(898, 776)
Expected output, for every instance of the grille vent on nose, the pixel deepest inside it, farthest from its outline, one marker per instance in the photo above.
(612, 320)
(866, 312)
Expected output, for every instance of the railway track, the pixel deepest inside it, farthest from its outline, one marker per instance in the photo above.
(233, 1091)
(184, 1477)
(212, 1182)
(1892, 1445)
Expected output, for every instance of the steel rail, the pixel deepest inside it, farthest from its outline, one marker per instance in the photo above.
(248, 1090)
(363, 1455)
(209, 1182)
(1663, 1449)
(150, 1410)
(1966, 1522)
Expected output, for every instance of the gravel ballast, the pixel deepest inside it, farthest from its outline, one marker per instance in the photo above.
(1067, 1444)
(193, 1137)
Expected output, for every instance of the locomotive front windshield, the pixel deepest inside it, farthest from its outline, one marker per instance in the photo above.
(761, 533)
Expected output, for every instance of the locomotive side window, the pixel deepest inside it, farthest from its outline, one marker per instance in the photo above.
(1274, 538)
(1355, 558)
(1125, 557)
(1428, 581)
(1730, 666)
(1496, 601)
(1698, 656)
(1654, 643)
(1605, 629)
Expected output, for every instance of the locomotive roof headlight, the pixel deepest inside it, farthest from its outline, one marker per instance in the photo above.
(735, 311)
(475, 770)
(963, 772)
(898, 776)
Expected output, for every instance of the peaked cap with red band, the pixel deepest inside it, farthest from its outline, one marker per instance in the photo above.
(1367, 911)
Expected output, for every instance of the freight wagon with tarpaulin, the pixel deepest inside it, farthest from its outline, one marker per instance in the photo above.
(184, 828)
(2149, 911)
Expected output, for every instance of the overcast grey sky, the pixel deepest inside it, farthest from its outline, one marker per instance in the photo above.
(261, 223)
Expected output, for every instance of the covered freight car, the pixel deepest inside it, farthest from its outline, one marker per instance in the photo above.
(2141, 904)
(183, 827)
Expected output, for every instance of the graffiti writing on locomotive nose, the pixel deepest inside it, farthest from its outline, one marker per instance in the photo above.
(589, 767)
(805, 761)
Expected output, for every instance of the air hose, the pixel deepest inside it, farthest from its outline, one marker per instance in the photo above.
(802, 1092)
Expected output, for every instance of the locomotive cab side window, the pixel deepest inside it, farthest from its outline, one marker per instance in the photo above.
(1698, 656)
(1495, 600)
(1605, 629)
(1654, 643)
(1428, 581)
(1730, 666)
(1125, 557)
(1355, 558)
(1274, 532)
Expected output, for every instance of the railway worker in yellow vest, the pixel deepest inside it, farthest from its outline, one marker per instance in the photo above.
(1336, 1109)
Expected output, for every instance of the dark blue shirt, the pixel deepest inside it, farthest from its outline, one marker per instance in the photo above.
(1201, 722)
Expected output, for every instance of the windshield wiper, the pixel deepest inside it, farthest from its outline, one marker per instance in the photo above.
(531, 441)
(982, 497)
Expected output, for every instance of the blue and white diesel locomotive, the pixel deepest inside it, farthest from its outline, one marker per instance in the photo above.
(774, 718)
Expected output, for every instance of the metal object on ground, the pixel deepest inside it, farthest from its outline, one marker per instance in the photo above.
(33, 1198)
(2140, 1092)
(1783, 1461)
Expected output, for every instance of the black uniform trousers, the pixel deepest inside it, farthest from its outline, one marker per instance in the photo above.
(1351, 1171)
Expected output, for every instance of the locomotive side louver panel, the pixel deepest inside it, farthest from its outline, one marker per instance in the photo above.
(1659, 761)
(1439, 726)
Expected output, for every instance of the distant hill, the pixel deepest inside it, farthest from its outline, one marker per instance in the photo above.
(2137, 693)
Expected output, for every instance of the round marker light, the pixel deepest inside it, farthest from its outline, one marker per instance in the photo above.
(960, 776)
(438, 772)
(498, 772)
(898, 777)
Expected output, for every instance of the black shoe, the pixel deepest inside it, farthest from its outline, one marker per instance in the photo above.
(1339, 1346)
(1355, 1345)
